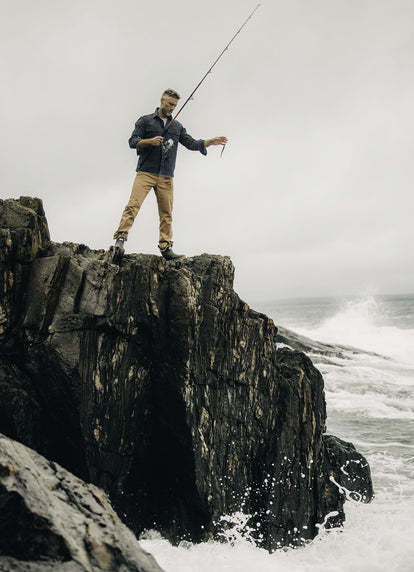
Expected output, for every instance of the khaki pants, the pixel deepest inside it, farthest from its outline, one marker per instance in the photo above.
(163, 188)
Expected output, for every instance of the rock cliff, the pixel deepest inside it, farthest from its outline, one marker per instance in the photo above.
(154, 381)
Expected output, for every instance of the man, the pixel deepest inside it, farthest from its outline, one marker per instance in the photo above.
(156, 140)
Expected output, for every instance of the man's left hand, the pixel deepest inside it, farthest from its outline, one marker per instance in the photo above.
(221, 140)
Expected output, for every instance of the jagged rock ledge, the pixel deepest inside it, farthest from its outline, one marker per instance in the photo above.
(154, 381)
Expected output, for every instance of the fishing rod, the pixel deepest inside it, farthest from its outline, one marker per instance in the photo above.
(209, 71)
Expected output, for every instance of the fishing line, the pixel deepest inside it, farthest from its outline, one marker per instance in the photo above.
(209, 71)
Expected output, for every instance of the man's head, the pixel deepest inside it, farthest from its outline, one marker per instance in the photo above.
(169, 100)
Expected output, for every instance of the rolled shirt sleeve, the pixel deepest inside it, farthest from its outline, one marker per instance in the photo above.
(191, 143)
(138, 134)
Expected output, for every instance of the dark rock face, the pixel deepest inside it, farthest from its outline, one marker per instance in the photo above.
(348, 468)
(51, 520)
(156, 382)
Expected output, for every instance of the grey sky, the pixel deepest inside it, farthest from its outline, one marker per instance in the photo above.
(314, 192)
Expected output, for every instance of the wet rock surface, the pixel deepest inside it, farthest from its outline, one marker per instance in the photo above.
(153, 380)
(51, 520)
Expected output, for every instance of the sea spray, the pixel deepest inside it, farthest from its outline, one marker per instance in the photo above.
(235, 528)
(373, 540)
(367, 325)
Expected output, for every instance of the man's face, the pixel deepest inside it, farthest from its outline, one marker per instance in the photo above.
(168, 104)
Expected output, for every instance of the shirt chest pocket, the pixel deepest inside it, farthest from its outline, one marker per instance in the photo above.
(153, 131)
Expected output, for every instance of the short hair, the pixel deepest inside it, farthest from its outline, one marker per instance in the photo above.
(171, 93)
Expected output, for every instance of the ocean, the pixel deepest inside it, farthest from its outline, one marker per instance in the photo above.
(369, 391)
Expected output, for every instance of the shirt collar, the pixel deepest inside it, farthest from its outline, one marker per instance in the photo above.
(156, 115)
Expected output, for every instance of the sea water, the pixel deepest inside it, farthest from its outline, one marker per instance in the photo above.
(369, 391)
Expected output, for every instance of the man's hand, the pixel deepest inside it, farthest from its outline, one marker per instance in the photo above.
(154, 141)
(221, 140)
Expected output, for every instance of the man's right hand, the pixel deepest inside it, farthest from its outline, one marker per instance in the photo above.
(154, 141)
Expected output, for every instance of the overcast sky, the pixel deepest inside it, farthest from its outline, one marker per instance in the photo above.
(313, 195)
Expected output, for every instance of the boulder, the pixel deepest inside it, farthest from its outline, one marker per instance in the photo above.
(51, 520)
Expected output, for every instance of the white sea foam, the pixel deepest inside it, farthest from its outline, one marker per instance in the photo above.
(376, 385)
(375, 538)
(365, 325)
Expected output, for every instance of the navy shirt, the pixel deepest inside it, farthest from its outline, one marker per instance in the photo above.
(161, 160)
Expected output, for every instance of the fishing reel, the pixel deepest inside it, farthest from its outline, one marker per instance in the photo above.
(166, 146)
